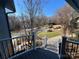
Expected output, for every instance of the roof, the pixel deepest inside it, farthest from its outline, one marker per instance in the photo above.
(9, 4)
(74, 4)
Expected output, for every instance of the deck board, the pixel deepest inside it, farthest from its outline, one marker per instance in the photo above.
(38, 54)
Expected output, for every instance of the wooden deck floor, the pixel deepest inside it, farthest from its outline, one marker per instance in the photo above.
(38, 54)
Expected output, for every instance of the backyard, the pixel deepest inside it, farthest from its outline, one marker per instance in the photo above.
(49, 34)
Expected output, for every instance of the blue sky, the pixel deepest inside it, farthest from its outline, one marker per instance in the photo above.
(50, 7)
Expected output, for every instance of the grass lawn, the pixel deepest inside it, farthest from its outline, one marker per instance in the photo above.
(48, 34)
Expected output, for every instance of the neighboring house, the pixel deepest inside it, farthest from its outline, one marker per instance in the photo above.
(57, 26)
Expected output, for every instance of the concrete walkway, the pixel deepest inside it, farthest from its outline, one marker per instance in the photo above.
(53, 44)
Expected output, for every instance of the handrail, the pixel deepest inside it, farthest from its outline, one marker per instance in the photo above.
(13, 38)
(74, 42)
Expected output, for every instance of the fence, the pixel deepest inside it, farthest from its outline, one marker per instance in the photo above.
(13, 46)
(72, 49)
(69, 49)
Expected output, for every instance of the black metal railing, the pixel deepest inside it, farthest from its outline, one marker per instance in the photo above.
(69, 49)
(13, 46)
(72, 49)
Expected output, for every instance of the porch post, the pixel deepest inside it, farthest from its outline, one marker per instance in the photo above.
(62, 49)
(33, 39)
(4, 33)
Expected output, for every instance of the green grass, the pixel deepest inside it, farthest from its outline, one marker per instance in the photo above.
(48, 34)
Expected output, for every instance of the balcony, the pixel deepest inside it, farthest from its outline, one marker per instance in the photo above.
(22, 48)
(39, 53)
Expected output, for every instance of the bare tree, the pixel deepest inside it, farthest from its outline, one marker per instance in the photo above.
(41, 21)
(64, 15)
(14, 23)
(23, 23)
(33, 8)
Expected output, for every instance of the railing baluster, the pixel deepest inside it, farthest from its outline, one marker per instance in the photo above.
(27, 43)
(18, 45)
(3, 56)
(14, 46)
(5, 47)
(8, 48)
(24, 43)
(21, 42)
